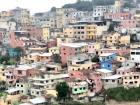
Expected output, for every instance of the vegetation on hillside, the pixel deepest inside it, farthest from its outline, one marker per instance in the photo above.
(123, 94)
(63, 91)
(95, 59)
(88, 5)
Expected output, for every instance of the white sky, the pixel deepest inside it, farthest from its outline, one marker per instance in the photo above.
(33, 5)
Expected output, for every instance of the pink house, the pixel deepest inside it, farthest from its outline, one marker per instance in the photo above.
(35, 32)
(118, 16)
(127, 24)
(117, 51)
(71, 49)
(51, 43)
(95, 79)
(77, 75)
(15, 39)
(24, 71)
(125, 70)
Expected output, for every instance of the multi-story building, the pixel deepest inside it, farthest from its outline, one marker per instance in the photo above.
(22, 16)
(34, 31)
(91, 31)
(112, 81)
(79, 89)
(80, 62)
(84, 31)
(19, 39)
(46, 33)
(111, 39)
(71, 49)
(99, 11)
(6, 14)
(135, 55)
(106, 60)
(37, 57)
(68, 31)
(65, 40)
(45, 82)
(124, 40)
(125, 70)
(131, 80)
(8, 24)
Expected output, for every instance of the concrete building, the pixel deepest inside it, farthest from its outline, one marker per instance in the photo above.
(135, 55)
(45, 82)
(46, 33)
(131, 80)
(112, 81)
(106, 60)
(22, 16)
(71, 49)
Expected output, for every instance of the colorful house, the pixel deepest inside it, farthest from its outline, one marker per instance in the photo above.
(106, 60)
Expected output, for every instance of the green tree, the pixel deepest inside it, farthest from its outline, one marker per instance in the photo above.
(111, 28)
(63, 91)
(19, 51)
(15, 103)
(56, 58)
(4, 59)
(95, 59)
(53, 9)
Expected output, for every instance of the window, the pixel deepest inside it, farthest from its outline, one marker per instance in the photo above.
(132, 58)
(136, 82)
(130, 77)
(80, 88)
(137, 53)
(106, 80)
(113, 80)
(75, 89)
(52, 80)
(21, 85)
(84, 88)
(19, 72)
(37, 92)
(132, 53)
(130, 82)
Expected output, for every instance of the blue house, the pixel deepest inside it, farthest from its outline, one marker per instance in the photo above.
(106, 60)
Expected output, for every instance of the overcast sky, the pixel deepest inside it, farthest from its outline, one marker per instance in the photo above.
(33, 5)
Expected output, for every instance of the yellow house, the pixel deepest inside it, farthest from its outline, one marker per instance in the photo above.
(54, 50)
(78, 67)
(121, 59)
(46, 33)
(91, 31)
(2, 73)
(124, 40)
(37, 57)
(111, 39)
(68, 32)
